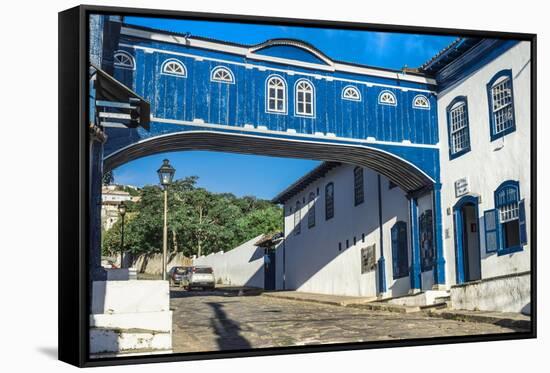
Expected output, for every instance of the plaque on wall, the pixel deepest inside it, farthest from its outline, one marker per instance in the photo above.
(368, 261)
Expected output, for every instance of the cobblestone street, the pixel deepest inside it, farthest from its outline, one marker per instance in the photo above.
(211, 321)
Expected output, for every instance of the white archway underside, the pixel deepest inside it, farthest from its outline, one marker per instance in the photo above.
(407, 176)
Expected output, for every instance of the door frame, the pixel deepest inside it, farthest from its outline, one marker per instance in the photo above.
(458, 218)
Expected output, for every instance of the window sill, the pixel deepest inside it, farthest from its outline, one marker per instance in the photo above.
(503, 133)
(400, 277)
(458, 154)
(509, 250)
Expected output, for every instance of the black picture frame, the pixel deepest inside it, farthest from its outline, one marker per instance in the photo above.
(74, 191)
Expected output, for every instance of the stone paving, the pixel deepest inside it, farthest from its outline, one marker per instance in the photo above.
(212, 321)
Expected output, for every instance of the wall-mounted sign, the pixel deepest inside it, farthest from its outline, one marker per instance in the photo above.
(462, 187)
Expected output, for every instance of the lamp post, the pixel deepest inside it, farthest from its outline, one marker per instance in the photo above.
(166, 174)
(122, 212)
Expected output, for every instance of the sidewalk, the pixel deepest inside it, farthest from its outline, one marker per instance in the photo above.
(336, 300)
(506, 319)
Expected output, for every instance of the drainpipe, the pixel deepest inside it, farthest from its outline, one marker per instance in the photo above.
(381, 260)
(284, 249)
(439, 269)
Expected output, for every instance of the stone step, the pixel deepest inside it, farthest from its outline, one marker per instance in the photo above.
(383, 306)
(435, 306)
(116, 340)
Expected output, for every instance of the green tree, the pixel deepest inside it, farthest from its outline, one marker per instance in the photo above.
(199, 222)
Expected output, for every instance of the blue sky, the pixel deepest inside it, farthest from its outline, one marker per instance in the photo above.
(264, 177)
(239, 174)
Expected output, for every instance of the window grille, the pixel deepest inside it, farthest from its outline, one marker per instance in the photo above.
(223, 75)
(351, 93)
(276, 95)
(304, 98)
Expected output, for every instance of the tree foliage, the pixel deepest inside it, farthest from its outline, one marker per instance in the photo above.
(198, 220)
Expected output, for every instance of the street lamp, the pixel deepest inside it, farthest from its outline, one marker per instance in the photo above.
(122, 212)
(166, 174)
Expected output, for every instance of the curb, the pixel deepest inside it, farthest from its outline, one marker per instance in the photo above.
(300, 299)
(500, 321)
(373, 305)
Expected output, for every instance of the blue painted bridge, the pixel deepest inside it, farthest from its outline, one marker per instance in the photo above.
(281, 97)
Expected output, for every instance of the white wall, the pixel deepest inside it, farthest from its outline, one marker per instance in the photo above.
(486, 167)
(503, 294)
(242, 266)
(313, 260)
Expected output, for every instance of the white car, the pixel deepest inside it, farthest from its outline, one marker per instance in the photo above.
(199, 277)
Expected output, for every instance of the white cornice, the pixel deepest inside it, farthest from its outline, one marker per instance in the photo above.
(248, 52)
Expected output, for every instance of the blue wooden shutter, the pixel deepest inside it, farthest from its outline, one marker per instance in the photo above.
(491, 230)
(522, 225)
(394, 251)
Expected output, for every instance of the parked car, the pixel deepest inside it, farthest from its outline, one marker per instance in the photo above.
(199, 277)
(176, 274)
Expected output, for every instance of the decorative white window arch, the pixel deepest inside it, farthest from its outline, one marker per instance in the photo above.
(275, 98)
(421, 102)
(222, 74)
(387, 98)
(304, 98)
(174, 67)
(351, 93)
(124, 60)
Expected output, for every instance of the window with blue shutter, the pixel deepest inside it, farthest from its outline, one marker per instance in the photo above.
(298, 218)
(491, 232)
(400, 258)
(500, 95)
(329, 201)
(458, 127)
(511, 221)
(358, 186)
(426, 241)
(311, 211)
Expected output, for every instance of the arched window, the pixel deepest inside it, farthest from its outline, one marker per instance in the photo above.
(426, 240)
(505, 228)
(174, 67)
(222, 74)
(305, 98)
(500, 92)
(329, 201)
(124, 60)
(358, 186)
(298, 218)
(311, 211)
(421, 102)
(351, 93)
(400, 253)
(387, 98)
(276, 95)
(458, 127)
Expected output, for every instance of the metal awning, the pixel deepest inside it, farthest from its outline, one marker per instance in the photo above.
(117, 105)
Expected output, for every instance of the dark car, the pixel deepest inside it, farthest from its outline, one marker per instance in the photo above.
(176, 275)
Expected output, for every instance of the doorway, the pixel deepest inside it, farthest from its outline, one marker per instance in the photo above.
(269, 269)
(468, 257)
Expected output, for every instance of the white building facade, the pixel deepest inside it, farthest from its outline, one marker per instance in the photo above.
(111, 198)
(337, 244)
